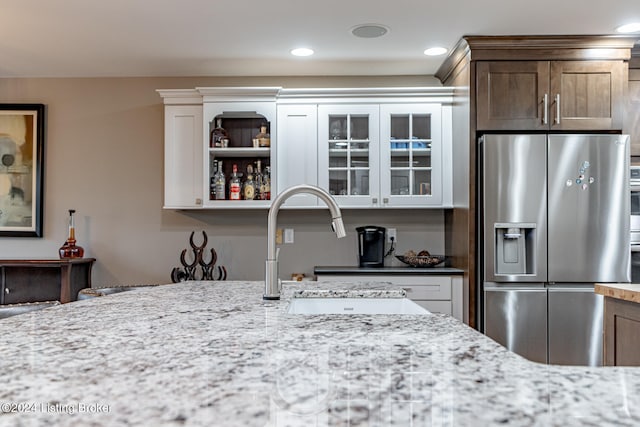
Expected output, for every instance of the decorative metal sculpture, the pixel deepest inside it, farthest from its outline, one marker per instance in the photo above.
(189, 270)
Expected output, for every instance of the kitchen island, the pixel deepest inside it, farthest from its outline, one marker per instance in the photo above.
(215, 353)
(621, 323)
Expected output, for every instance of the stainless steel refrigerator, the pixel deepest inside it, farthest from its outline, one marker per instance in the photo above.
(554, 211)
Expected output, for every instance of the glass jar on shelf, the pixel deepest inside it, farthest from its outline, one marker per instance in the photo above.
(263, 137)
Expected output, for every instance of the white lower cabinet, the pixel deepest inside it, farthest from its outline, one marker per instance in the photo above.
(438, 294)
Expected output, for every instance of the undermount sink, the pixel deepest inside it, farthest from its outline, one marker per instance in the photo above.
(354, 306)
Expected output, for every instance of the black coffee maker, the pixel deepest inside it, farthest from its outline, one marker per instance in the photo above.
(371, 240)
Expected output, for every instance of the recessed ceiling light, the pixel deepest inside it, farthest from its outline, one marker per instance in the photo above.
(633, 27)
(435, 51)
(302, 51)
(369, 31)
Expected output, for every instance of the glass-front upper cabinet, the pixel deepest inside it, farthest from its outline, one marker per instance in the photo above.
(411, 155)
(348, 153)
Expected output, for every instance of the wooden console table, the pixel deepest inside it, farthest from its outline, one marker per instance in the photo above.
(32, 280)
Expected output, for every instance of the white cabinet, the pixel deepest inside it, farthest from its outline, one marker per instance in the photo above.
(182, 149)
(436, 293)
(370, 148)
(411, 155)
(297, 152)
(242, 122)
(348, 153)
(389, 155)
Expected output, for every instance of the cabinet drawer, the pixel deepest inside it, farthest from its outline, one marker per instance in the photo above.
(443, 307)
(25, 284)
(417, 287)
(429, 291)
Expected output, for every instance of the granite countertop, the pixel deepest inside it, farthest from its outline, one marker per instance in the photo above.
(215, 353)
(343, 270)
(623, 291)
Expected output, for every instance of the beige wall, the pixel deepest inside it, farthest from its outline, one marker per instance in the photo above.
(104, 158)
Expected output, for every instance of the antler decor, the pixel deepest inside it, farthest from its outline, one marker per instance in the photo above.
(189, 270)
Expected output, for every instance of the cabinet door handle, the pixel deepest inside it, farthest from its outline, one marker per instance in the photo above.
(375, 200)
(385, 200)
(7, 291)
(408, 289)
(557, 120)
(198, 201)
(545, 109)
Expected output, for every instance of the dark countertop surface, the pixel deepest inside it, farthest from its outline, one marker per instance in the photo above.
(337, 269)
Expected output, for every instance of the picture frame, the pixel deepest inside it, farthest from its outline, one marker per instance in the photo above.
(22, 137)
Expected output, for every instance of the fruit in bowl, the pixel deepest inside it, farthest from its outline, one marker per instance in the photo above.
(420, 259)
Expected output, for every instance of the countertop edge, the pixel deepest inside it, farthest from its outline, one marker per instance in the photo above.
(622, 291)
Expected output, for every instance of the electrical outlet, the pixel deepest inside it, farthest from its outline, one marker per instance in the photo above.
(391, 233)
(288, 235)
(278, 236)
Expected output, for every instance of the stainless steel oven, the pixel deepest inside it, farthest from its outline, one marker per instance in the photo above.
(635, 223)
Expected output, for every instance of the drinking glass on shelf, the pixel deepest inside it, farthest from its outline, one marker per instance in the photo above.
(335, 129)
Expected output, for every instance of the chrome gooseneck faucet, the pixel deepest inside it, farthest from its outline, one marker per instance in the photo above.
(272, 284)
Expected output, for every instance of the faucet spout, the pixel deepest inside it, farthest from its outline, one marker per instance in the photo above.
(272, 285)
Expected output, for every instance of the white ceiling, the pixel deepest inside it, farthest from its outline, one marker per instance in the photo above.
(91, 38)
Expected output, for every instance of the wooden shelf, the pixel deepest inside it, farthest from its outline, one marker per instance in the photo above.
(241, 152)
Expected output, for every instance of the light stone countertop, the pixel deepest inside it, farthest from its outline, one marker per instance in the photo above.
(216, 354)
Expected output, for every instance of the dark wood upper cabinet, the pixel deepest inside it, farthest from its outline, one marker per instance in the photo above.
(510, 94)
(632, 116)
(550, 95)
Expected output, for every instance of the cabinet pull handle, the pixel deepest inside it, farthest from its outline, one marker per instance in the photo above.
(407, 289)
(545, 109)
(385, 200)
(375, 200)
(7, 291)
(198, 201)
(557, 120)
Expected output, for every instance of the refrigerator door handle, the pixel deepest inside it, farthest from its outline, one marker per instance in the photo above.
(557, 119)
(545, 109)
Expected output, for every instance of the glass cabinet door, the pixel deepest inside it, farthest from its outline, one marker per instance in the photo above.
(348, 153)
(410, 155)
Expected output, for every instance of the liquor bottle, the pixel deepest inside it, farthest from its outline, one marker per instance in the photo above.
(265, 191)
(212, 181)
(249, 187)
(70, 249)
(263, 137)
(218, 134)
(257, 178)
(234, 184)
(221, 183)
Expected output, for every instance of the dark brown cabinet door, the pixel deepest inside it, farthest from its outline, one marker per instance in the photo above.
(588, 95)
(25, 284)
(510, 95)
(632, 117)
(621, 332)
(550, 95)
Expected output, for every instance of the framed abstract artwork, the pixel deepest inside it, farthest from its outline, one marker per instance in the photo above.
(22, 137)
